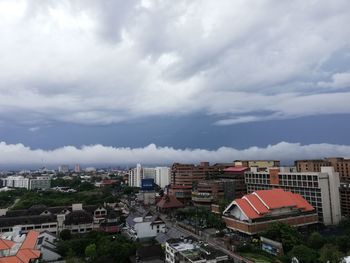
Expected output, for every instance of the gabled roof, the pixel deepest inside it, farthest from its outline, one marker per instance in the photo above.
(275, 198)
(263, 202)
(27, 250)
(6, 244)
(169, 201)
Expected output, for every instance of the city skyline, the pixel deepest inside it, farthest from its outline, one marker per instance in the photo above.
(156, 82)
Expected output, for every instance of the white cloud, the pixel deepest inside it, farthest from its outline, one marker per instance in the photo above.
(339, 80)
(98, 62)
(18, 154)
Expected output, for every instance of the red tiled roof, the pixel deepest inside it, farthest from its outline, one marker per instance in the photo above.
(11, 259)
(236, 169)
(247, 208)
(255, 202)
(26, 252)
(6, 244)
(169, 201)
(302, 203)
(263, 202)
(276, 198)
(30, 240)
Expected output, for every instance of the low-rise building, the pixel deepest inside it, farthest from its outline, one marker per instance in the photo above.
(16, 247)
(143, 226)
(77, 218)
(253, 213)
(189, 249)
(320, 189)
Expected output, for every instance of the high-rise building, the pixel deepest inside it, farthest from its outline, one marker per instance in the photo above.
(162, 176)
(63, 168)
(77, 168)
(135, 176)
(320, 189)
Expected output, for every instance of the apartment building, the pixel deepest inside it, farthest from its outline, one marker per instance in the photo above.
(160, 175)
(340, 165)
(41, 182)
(320, 189)
(260, 164)
(185, 176)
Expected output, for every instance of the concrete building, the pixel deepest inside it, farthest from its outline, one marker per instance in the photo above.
(76, 218)
(340, 165)
(253, 213)
(77, 168)
(189, 249)
(162, 177)
(25, 248)
(63, 168)
(135, 176)
(42, 182)
(344, 191)
(320, 189)
(144, 226)
(184, 176)
(138, 173)
(16, 182)
(260, 164)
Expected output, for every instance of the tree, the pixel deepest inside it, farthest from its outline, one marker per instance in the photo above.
(285, 234)
(315, 241)
(90, 252)
(343, 243)
(330, 253)
(65, 234)
(303, 254)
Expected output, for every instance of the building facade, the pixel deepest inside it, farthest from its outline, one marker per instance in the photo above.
(260, 164)
(185, 176)
(340, 165)
(162, 176)
(189, 249)
(253, 213)
(320, 189)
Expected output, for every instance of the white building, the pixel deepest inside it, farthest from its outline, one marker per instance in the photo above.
(162, 176)
(63, 168)
(191, 250)
(16, 182)
(143, 226)
(135, 176)
(320, 189)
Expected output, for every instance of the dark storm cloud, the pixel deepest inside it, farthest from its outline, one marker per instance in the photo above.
(102, 62)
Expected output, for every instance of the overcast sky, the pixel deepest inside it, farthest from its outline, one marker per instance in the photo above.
(180, 74)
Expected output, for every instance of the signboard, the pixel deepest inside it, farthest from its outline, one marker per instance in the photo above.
(147, 184)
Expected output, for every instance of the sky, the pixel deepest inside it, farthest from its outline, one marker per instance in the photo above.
(156, 81)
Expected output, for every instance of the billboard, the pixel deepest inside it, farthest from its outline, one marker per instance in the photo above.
(147, 184)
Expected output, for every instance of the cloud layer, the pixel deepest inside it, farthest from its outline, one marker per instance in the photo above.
(18, 154)
(101, 62)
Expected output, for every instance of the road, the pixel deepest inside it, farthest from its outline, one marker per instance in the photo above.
(216, 243)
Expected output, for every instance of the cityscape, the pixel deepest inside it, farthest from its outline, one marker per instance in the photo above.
(187, 131)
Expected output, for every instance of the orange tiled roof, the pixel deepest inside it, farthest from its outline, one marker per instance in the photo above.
(247, 209)
(255, 202)
(275, 198)
(6, 244)
(263, 202)
(26, 252)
